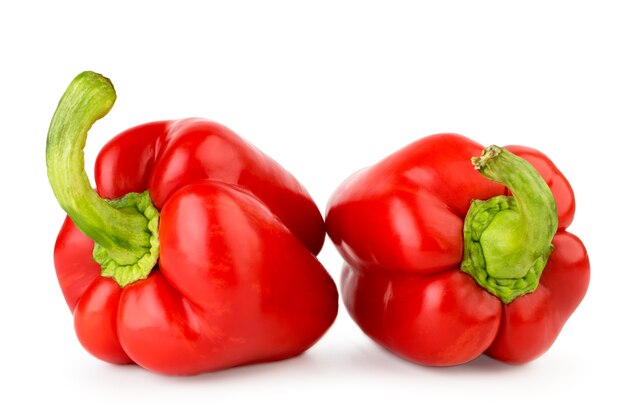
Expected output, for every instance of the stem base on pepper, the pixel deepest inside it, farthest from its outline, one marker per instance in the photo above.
(129, 273)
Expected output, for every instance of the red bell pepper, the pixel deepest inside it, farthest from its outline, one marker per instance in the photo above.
(205, 247)
(438, 276)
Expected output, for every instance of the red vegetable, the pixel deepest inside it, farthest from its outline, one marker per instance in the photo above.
(440, 279)
(206, 257)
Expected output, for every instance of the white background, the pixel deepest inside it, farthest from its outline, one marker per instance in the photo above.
(325, 88)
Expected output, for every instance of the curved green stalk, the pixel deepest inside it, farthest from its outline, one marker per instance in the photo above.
(125, 232)
(507, 239)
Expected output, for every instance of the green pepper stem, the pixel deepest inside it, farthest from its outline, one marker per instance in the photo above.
(122, 231)
(507, 240)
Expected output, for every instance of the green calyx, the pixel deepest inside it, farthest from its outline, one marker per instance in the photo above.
(139, 270)
(508, 239)
(125, 230)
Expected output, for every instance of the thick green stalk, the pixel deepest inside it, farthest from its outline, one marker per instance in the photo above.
(125, 231)
(507, 239)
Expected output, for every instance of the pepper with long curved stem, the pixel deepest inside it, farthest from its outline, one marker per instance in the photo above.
(190, 225)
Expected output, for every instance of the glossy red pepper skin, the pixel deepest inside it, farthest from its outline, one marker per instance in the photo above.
(399, 227)
(237, 280)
